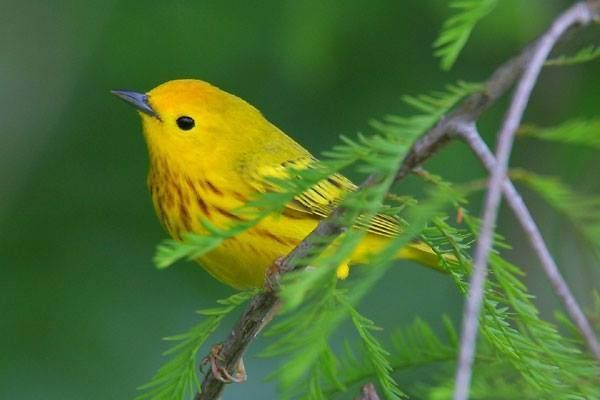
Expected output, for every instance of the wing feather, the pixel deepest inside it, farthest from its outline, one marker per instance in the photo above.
(320, 200)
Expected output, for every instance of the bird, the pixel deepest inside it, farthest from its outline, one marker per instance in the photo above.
(211, 152)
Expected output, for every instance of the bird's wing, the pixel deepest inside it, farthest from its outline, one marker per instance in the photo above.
(321, 199)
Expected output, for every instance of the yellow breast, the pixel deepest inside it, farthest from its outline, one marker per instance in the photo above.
(182, 202)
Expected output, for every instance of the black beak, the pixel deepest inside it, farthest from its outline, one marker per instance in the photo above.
(138, 100)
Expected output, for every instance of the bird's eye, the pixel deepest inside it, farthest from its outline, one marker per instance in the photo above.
(185, 123)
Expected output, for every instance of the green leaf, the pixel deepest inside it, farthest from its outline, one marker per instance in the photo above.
(457, 29)
(583, 211)
(376, 354)
(169, 251)
(431, 107)
(177, 378)
(414, 346)
(583, 132)
(584, 55)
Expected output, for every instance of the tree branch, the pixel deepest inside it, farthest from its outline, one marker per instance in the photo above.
(578, 13)
(471, 108)
(470, 135)
(263, 307)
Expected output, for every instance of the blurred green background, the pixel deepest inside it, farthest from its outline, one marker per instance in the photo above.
(82, 309)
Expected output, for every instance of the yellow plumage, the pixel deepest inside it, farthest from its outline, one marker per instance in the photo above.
(211, 152)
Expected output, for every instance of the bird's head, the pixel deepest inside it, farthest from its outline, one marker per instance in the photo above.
(190, 121)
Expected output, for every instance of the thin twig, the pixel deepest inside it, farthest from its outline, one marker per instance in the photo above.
(514, 200)
(578, 13)
(263, 306)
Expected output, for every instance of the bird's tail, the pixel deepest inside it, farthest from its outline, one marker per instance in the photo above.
(423, 254)
(416, 251)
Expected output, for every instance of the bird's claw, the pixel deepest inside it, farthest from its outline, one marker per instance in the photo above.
(221, 373)
(272, 274)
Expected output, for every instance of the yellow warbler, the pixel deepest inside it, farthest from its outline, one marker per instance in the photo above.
(210, 153)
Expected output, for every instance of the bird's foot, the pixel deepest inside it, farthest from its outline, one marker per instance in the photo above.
(221, 373)
(272, 274)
